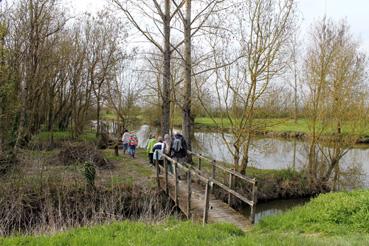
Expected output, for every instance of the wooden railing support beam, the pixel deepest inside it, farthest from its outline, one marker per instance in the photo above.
(206, 205)
(166, 175)
(230, 183)
(176, 183)
(253, 207)
(157, 174)
(189, 194)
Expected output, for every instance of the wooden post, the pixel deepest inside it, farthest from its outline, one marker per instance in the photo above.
(230, 185)
(189, 180)
(176, 183)
(206, 205)
(166, 175)
(199, 163)
(213, 169)
(213, 173)
(116, 149)
(157, 173)
(253, 207)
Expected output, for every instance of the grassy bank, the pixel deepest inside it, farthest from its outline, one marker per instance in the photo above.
(330, 219)
(278, 125)
(273, 124)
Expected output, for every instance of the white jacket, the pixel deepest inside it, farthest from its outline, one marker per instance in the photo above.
(158, 151)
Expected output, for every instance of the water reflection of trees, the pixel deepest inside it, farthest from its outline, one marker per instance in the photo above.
(347, 174)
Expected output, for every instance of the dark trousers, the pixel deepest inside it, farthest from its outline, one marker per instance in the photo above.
(151, 158)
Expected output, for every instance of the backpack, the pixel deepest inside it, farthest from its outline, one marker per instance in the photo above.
(177, 145)
(133, 141)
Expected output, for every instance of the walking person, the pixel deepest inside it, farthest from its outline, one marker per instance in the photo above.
(149, 148)
(125, 139)
(158, 150)
(167, 145)
(178, 147)
(132, 144)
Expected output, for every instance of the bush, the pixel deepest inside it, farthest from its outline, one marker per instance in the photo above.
(80, 153)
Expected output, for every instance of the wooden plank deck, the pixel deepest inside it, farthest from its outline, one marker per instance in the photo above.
(218, 210)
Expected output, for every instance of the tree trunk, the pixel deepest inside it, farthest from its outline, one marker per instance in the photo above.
(98, 127)
(22, 116)
(245, 158)
(312, 161)
(332, 166)
(295, 97)
(166, 72)
(187, 122)
(236, 157)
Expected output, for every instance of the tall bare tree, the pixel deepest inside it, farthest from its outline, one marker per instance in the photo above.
(161, 13)
(264, 29)
(335, 70)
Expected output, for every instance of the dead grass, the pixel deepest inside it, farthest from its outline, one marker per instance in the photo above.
(41, 195)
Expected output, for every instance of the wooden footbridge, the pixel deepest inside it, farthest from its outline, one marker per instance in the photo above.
(191, 188)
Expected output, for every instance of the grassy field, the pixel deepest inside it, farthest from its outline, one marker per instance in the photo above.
(330, 219)
(273, 125)
(277, 125)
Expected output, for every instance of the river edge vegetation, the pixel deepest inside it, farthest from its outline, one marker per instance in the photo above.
(330, 219)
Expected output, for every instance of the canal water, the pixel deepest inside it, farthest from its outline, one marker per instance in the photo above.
(274, 153)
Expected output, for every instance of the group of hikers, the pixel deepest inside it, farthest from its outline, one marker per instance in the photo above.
(174, 147)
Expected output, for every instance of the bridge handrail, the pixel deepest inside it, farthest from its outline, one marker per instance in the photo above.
(209, 182)
(186, 169)
(213, 162)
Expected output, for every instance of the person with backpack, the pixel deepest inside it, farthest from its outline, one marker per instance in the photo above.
(168, 144)
(149, 148)
(158, 150)
(178, 147)
(179, 150)
(132, 144)
(125, 139)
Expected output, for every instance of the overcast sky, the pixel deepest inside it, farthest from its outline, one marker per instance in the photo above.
(355, 11)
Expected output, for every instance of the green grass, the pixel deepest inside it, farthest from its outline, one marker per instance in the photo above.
(127, 170)
(87, 136)
(275, 125)
(339, 213)
(272, 124)
(331, 219)
(278, 125)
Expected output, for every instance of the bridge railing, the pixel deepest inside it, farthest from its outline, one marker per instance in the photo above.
(230, 187)
(192, 171)
(189, 174)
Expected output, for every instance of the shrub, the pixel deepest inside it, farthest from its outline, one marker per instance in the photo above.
(72, 153)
